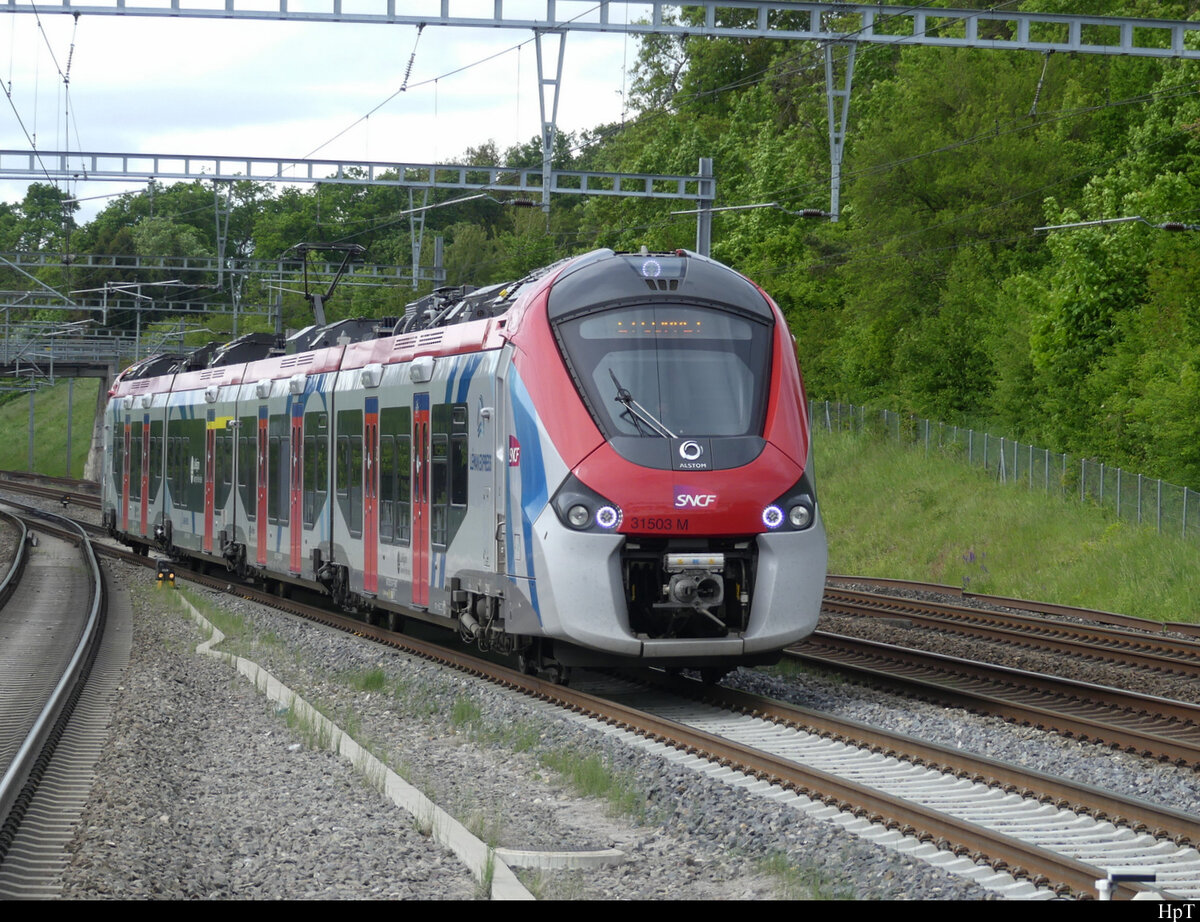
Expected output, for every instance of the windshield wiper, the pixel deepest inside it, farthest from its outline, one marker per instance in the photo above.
(638, 414)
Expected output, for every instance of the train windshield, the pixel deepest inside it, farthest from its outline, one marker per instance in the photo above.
(671, 370)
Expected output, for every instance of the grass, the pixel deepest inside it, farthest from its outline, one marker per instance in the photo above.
(49, 428)
(368, 680)
(465, 714)
(892, 512)
(589, 776)
(315, 733)
(489, 874)
(795, 882)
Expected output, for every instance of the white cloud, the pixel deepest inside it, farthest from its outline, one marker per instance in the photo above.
(271, 89)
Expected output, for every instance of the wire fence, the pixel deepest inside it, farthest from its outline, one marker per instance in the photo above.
(1169, 508)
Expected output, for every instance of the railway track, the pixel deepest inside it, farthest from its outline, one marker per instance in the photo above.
(904, 590)
(1038, 826)
(51, 627)
(1141, 724)
(1140, 649)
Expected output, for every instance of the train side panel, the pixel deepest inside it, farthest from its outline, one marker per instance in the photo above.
(186, 435)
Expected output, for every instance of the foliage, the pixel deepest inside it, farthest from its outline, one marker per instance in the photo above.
(931, 293)
(936, 519)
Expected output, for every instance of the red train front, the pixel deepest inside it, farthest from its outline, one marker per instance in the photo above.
(680, 523)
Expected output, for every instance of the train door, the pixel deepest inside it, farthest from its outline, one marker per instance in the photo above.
(420, 500)
(261, 499)
(127, 437)
(371, 496)
(210, 476)
(145, 470)
(296, 489)
(499, 466)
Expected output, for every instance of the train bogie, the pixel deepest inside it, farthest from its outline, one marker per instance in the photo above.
(607, 462)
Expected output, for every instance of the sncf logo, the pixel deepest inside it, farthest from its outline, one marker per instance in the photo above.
(685, 499)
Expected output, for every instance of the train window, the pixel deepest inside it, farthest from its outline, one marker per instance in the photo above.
(403, 488)
(172, 465)
(356, 485)
(349, 472)
(279, 469)
(118, 458)
(273, 491)
(135, 462)
(156, 458)
(184, 471)
(223, 475)
(395, 427)
(316, 477)
(188, 485)
(439, 496)
(387, 489)
(279, 480)
(343, 466)
(458, 470)
(247, 464)
(688, 370)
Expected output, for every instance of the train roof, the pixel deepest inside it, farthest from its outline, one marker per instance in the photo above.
(456, 319)
(653, 278)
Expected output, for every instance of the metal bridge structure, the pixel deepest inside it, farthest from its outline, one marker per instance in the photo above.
(837, 28)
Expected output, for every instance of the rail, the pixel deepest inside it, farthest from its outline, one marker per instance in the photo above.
(31, 758)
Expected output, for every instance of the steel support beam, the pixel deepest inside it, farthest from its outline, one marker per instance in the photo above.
(778, 19)
(109, 167)
(222, 207)
(838, 98)
(549, 122)
(704, 203)
(416, 232)
(47, 259)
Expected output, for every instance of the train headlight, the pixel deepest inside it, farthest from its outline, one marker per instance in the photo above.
(772, 517)
(581, 508)
(799, 515)
(801, 505)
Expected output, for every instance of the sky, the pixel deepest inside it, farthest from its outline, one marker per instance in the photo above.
(285, 89)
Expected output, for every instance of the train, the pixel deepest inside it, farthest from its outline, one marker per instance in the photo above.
(605, 463)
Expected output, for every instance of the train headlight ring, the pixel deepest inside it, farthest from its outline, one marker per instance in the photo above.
(608, 517)
(772, 517)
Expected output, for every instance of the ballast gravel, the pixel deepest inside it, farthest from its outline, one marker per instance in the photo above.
(205, 791)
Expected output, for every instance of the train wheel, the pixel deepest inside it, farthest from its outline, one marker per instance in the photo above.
(526, 664)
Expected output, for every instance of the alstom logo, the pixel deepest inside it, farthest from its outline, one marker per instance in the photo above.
(685, 499)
